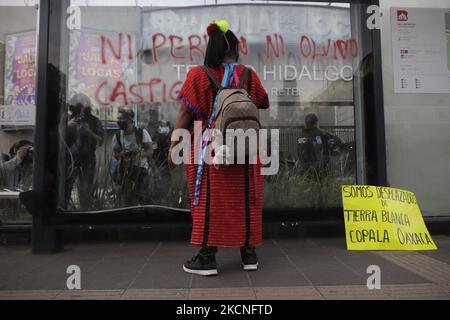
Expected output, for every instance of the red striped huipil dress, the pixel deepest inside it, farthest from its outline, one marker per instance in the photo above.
(223, 217)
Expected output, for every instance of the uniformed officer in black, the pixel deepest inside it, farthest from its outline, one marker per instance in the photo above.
(314, 148)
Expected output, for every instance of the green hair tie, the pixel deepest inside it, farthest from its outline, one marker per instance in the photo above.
(223, 25)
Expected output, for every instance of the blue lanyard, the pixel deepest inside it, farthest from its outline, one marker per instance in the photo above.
(229, 69)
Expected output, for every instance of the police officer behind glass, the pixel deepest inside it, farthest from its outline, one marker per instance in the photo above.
(315, 147)
(132, 153)
(84, 134)
(16, 170)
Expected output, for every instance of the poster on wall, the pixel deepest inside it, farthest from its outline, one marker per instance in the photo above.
(421, 50)
(95, 62)
(20, 68)
(17, 115)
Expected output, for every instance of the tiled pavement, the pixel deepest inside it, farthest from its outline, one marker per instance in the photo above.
(297, 268)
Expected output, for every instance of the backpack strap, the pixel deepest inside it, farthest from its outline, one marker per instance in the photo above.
(118, 140)
(249, 83)
(215, 85)
(212, 81)
(246, 74)
(212, 78)
(139, 133)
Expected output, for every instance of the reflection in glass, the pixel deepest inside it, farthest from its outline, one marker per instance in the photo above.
(17, 108)
(130, 63)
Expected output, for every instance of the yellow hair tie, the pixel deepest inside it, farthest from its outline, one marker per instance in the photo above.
(223, 25)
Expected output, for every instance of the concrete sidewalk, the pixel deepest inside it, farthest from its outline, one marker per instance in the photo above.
(299, 268)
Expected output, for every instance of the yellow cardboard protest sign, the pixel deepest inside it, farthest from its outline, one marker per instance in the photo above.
(382, 218)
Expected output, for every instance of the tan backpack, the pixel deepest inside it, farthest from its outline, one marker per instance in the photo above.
(236, 110)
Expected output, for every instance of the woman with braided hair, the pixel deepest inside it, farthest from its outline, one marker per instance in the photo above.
(226, 201)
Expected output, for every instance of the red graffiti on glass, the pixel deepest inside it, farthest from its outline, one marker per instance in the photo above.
(136, 93)
(277, 48)
(181, 48)
(332, 48)
(117, 53)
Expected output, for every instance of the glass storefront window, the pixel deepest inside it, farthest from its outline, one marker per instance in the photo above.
(18, 40)
(308, 57)
(135, 56)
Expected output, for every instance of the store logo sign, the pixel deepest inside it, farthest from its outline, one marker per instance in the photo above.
(402, 15)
